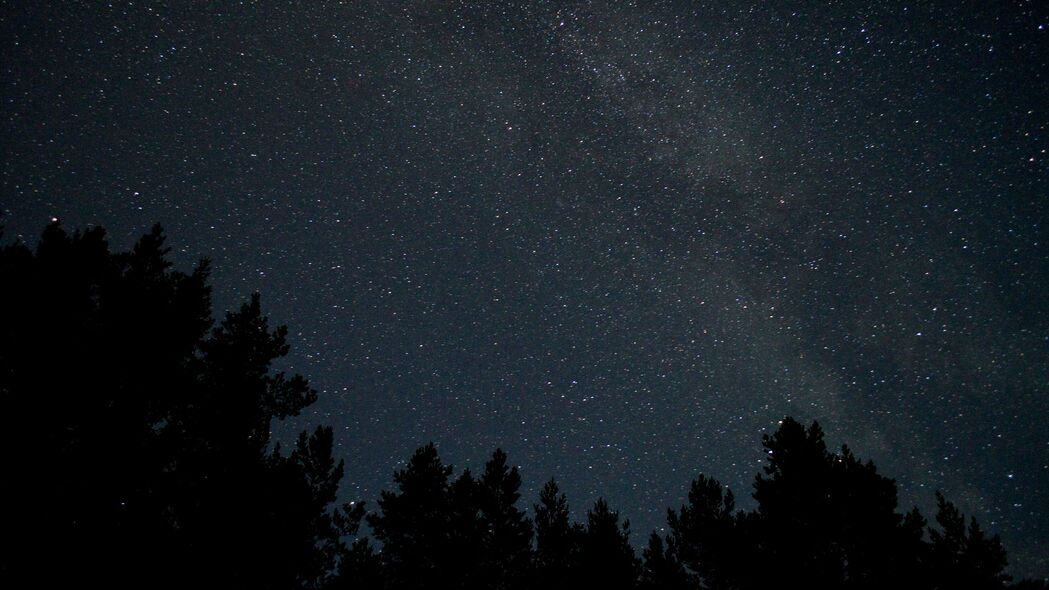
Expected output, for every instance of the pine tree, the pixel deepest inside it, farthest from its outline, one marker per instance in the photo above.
(138, 441)
(828, 518)
(558, 540)
(964, 556)
(662, 570)
(413, 524)
(706, 535)
(607, 560)
(506, 532)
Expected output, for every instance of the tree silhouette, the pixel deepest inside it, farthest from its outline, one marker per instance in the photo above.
(558, 540)
(824, 520)
(467, 534)
(139, 441)
(828, 518)
(963, 556)
(413, 524)
(662, 569)
(607, 560)
(706, 536)
(506, 534)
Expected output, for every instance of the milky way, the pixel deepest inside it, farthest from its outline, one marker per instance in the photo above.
(620, 240)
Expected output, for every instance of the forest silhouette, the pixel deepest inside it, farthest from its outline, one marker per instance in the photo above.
(137, 436)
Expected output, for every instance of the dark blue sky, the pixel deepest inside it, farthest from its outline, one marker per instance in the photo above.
(620, 240)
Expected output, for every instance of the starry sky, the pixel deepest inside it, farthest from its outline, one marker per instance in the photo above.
(618, 239)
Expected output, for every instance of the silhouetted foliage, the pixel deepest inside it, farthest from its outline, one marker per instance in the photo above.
(607, 560)
(467, 534)
(139, 454)
(662, 567)
(963, 556)
(140, 438)
(705, 534)
(413, 524)
(826, 520)
(506, 534)
(823, 520)
(825, 517)
(558, 540)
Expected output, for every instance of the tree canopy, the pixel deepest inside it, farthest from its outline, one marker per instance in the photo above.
(137, 433)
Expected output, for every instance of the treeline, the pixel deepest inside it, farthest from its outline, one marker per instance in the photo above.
(823, 520)
(138, 453)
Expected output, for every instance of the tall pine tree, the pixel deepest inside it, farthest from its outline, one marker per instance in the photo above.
(138, 439)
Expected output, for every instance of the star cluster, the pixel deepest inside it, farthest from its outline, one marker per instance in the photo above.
(618, 239)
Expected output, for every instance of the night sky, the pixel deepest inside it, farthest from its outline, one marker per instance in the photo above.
(618, 239)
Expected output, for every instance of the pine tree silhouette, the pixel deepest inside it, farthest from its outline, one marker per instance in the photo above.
(139, 454)
(506, 539)
(824, 520)
(827, 518)
(466, 534)
(413, 525)
(963, 557)
(706, 536)
(558, 541)
(662, 569)
(607, 560)
(138, 441)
